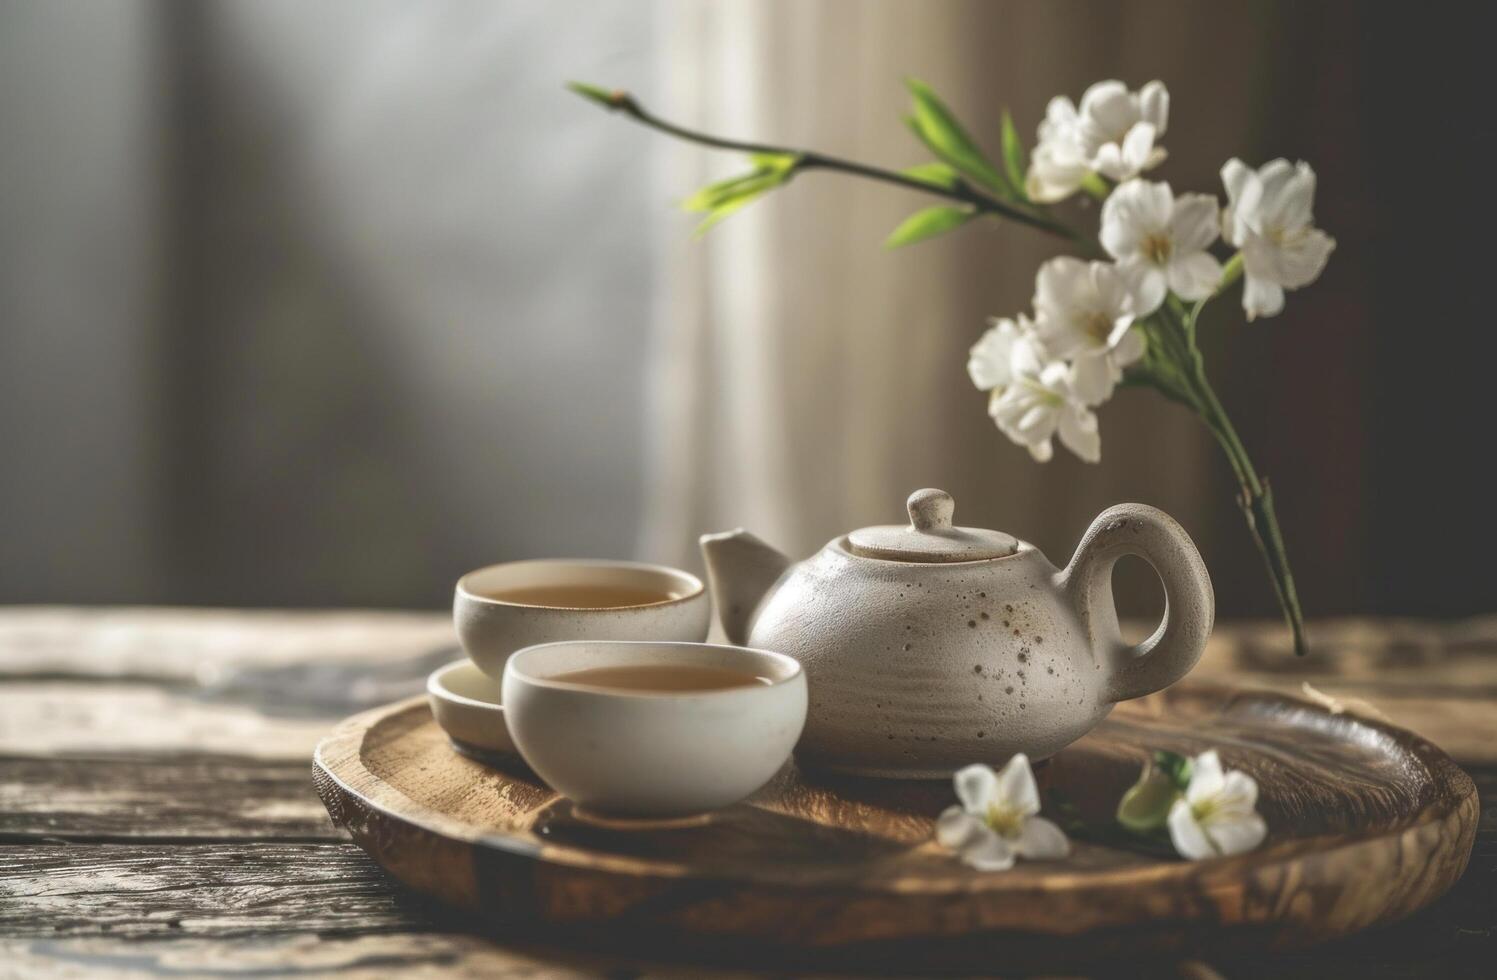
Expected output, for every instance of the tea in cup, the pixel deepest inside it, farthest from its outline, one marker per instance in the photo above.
(502, 608)
(656, 730)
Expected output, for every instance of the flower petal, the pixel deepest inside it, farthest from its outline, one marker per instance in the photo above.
(1092, 378)
(1291, 210)
(1261, 298)
(1243, 194)
(1239, 792)
(976, 786)
(955, 828)
(988, 852)
(1138, 148)
(1041, 840)
(1060, 116)
(1147, 285)
(1042, 452)
(1108, 106)
(1206, 779)
(1006, 405)
(1194, 275)
(1135, 211)
(1016, 788)
(1108, 161)
(1078, 433)
(1154, 105)
(1274, 177)
(1235, 175)
(1130, 348)
(1030, 354)
(1189, 839)
(1058, 283)
(1235, 833)
(1194, 222)
(990, 362)
(1303, 257)
(1056, 170)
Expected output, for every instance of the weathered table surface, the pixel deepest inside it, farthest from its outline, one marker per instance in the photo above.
(157, 815)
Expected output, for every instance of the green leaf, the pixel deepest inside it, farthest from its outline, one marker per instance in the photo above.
(1146, 805)
(775, 162)
(726, 197)
(607, 98)
(927, 224)
(723, 211)
(724, 192)
(1176, 767)
(939, 174)
(939, 130)
(1013, 154)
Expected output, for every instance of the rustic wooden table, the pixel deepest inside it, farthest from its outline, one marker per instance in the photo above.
(157, 815)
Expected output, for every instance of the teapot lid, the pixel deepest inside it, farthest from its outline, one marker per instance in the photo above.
(930, 535)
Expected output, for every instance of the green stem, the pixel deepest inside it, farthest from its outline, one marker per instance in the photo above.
(961, 191)
(1096, 185)
(1255, 494)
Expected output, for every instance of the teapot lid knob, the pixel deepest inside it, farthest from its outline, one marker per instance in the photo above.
(930, 509)
(930, 536)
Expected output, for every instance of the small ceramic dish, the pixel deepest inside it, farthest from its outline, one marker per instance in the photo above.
(652, 753)
(465, 702)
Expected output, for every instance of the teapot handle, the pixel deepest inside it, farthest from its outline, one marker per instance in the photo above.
(1189, 603)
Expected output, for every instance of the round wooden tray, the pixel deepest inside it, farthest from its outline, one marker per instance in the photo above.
(1367, 824)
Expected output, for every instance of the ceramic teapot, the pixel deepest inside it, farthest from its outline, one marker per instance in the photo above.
(930, 646)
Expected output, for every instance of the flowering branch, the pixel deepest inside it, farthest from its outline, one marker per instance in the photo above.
(1096, 324)
(949, 185)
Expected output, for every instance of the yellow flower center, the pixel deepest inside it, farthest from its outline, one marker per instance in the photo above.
(1097, 326)
(1005, 820)
(1042, 394)
(1158, 248)
(1284, 237)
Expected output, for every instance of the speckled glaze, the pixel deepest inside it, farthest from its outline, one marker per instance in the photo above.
(917, 668)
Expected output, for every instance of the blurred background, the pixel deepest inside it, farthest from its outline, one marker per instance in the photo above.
(322, 304)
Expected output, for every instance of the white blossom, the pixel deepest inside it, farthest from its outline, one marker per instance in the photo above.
(1084, 311)
(1112, 133)
(1269, 218)
(1038, 399)
(1216, 814)
(997, 819)
(1160, 241)
(990, 362)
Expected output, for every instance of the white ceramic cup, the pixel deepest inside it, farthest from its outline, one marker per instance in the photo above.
(491, 629)
(646, 753)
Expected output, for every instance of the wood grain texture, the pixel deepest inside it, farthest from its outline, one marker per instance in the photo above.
(203, 646)
(1368, 824)
(43, 718)
(110, 736)
(220, 890)
(100, 798)
(371, 957)
(385, 927)
(1435, 678)
(109, 679)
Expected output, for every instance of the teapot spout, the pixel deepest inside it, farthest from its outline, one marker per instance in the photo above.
(741, 571)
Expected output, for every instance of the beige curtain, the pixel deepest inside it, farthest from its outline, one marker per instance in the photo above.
(806, 379)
